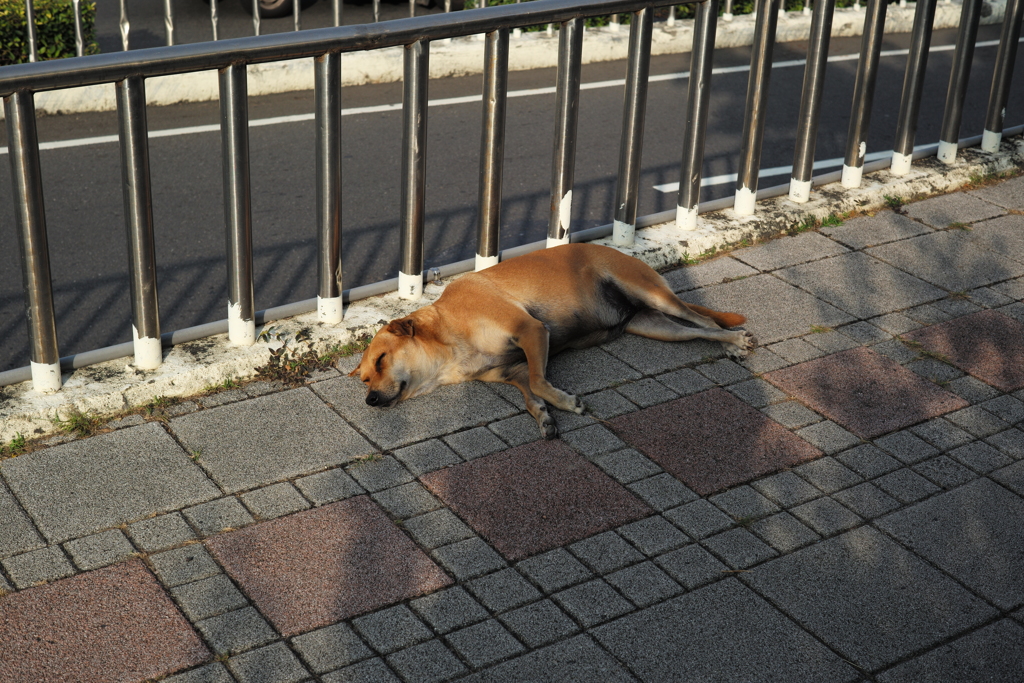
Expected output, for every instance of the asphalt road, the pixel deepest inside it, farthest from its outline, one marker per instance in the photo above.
(84, 202)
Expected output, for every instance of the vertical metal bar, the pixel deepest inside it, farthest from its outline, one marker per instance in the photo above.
(698, 99)
(376, 11)
(169, 21)
(756, 107)
(337, 7)
(447, 6)
(138, 214)
(414, 166)
(213, 17)
(79, 41)
(255, 17)
(412, 8)
(727, 13)
(327, 104)
(30, 214)
(863, 93)
(234, 132)
(567, 109)
(296, 11)
(949, 135)
(631, 144)
(1001, 77)
(913, 85)
(810, 101)
(492, 148)
(125, 25)
(30, 24)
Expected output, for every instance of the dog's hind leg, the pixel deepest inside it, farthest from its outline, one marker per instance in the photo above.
(657, 325)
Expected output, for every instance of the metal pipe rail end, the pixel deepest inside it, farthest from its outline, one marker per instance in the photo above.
(414, 162)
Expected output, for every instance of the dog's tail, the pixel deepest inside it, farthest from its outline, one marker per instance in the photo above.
(723, 319)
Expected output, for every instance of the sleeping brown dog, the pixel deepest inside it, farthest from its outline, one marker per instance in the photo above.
(501, 325)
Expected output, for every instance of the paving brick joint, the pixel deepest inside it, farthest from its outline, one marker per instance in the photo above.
(845, 504)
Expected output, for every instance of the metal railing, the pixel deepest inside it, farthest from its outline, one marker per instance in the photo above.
(129, 71)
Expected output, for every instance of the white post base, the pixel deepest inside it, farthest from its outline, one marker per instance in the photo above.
(410, 286)
(799, 190)
(240, 332)
(45, 377)
(727, 16)
(745, 202)
(686, 219)
(947, 152)
(622, 234)
(852, 176)
(552, 242)
(900, 164)
(149, 353)
(329, 310)
(485, 262)
(990, 141)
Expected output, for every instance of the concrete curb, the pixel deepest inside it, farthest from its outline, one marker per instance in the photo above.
(194, 367)
(465, 56)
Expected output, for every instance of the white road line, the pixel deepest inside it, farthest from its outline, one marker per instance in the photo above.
(468, 99)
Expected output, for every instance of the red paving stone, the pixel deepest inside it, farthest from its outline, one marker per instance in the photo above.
(865, 392)
(712, 441)
(988, 345)
(112, 624)
(320, 566)
(534, 498)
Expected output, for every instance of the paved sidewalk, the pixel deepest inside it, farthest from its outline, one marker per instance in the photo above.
(845, 505)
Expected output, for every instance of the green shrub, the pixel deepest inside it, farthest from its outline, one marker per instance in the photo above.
(55, 30)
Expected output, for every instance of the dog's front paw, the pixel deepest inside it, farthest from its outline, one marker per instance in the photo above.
(548, 428)
(578, 407)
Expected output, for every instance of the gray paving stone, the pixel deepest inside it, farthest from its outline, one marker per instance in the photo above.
(235, 632)
(896, 350)
(832, 342)
(784, 532)
(274, 501)
(692, 566)
(865, 333)
(588, 370)
(408, 500)
(788, 251)
(484, 643)
(868, 461)
(724, 371)
(762, 360)
(161, 532)
(184, 565)
(1014, 310)
(470, 444)
(869, 231)
(699, 519)
(662, 491)
(468, 559)
(437, 528)
(449, 609)
(796, 350)
(81, 487)
(853, 592)
(211, 673)
(906, 486)
(222, 398)
(1007, 408)
(208, 597)
(739, 548)
(46, 564)
(1012, 289)
(945, 471)
(379, 473)
(988, 297)
(992, 653)
(646, 392)
(605, 552)
(642, 356)
(653, 535)
(706, 273)
(828, 436)
(971, 389)
(577, 660)
(261, 388)
(941, 434)
(867, 500)
(287, 434)
(861, 285)
(826, 516)
(17, 533)
(99, 550)
(626, 466)
(608, 404)
(828, 474)
(906, 447)
(927, 314)
(1011, 477)
(503, 590)
(686, 381)
(218, 515)
(593, 440)
(786, 489)
(518, 430)
(183, 408)
(956, 305)
(465, 405)
(959, 207)
(980, 457)
(757, 392)
(696, 636)
(895, 323)
(127, 421)
(369, 671)
(330, 648)
(427, 662)
(391, 629)
(431, 455)
(949, 260)
(791, 414)
(744, 504)
(935, 371)
(592, 603)
(271, 664)
(554, 570)
(1008, 194)
(977, 421)
(327, 487)
(1010, 442)
(539, 623)
(644, 584)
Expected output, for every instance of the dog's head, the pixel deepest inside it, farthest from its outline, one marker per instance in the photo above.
(396, 365)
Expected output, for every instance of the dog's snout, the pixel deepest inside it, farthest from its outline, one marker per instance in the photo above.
(373, 398)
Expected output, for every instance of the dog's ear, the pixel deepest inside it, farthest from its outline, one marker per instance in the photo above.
(402, 328)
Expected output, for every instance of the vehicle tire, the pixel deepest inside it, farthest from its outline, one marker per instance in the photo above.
(272, 9)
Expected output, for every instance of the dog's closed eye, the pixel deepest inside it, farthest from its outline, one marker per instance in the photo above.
(380, 358)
